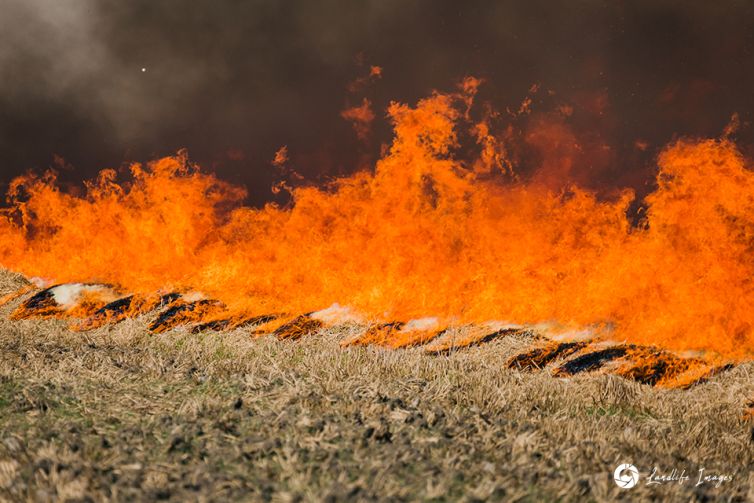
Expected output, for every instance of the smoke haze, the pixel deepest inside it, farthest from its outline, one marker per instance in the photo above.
(98, 83)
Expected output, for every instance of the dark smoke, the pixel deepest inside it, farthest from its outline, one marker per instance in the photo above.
(232, 81)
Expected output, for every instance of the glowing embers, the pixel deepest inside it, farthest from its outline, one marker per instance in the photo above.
(697, 372)
(407, 338)
(184, 312)
(67, 300)
(11, 296)
(540, 357)
(591, 360)
(749, 411)
(298, 327)
(415, 333)
(653, 366)
(377, 334)
(397, 334)
(93, 306)
(233, 322)
(474, 335)
(125, 307)
(174, 310)
(645, 365)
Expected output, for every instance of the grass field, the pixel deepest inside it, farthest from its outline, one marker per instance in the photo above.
(119, 414)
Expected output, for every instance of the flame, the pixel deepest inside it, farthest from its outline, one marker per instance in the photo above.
(126, 307)
(423, 234)
(361, 118)
(74, 300)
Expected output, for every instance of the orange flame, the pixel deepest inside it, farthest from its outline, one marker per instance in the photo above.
(424, 234)
(361, 118)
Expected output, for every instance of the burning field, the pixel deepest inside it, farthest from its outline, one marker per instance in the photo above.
(127, 411)
(423, 244)
(435, 325)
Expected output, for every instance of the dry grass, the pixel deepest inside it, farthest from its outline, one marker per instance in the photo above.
(118, 414)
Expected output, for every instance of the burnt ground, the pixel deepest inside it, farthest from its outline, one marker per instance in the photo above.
(119, 414)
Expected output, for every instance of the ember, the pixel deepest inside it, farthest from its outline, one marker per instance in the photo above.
(471, 336)
(298, 327)
(126, 307)
(540, 357)
(233, 323)
(182, 313)
(591, 360)
(76, 299)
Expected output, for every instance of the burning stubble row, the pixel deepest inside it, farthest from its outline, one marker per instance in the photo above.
(91, 306)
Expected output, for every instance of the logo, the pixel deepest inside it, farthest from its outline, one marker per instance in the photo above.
(626, 476)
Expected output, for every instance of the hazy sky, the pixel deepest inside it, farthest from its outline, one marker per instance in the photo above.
(234, 80)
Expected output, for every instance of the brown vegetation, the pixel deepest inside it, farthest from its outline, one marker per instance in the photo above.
(118, 413)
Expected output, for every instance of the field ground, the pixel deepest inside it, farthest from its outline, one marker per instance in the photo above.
(119, 414)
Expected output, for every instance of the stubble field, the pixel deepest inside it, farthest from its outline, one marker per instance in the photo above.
(120, 414)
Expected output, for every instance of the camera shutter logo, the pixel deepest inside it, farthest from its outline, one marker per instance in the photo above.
(626, 476)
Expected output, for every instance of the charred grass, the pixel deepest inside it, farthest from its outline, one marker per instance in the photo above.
(119, 414)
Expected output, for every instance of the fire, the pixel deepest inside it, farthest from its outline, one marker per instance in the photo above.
(422, 235)
(64, 301)
(361, 118)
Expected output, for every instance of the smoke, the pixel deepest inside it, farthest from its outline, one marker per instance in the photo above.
(233, 81)
(73, 64)
(53, 40)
